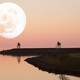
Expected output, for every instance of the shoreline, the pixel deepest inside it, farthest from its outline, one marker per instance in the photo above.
(55, 65)
(39, 51)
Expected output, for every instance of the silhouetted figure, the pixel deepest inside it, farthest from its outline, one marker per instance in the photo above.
(18, 45)
(58, 44)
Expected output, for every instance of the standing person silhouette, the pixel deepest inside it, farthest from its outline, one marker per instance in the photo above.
(58, 44)
(18, 45)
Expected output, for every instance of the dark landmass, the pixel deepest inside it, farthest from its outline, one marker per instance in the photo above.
(63, 64)
(52, 60)
(39, 51)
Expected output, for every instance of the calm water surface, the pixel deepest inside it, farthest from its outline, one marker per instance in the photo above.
(10, 69)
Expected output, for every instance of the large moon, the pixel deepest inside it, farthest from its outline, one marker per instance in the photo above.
(12, 20)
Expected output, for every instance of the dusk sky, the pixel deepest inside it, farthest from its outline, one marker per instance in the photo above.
(48, 21)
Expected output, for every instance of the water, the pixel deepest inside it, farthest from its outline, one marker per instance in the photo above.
(10, 69)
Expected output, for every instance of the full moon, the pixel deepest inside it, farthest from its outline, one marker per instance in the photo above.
(12, 20)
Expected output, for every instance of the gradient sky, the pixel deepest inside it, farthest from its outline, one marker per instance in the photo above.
(48, 21)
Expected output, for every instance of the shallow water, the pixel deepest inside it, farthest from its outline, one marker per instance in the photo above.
(11, 69)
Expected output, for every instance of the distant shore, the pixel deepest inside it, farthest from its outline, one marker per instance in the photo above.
(39, 51)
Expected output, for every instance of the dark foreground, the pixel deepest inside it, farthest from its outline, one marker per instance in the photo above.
(63, 64)
(39, 51)
(52, 60)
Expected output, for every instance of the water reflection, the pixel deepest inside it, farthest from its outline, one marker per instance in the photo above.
(18, 59)
(63, 77)
(10, 70)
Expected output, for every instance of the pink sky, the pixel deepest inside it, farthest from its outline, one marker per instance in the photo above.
(48, 21)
